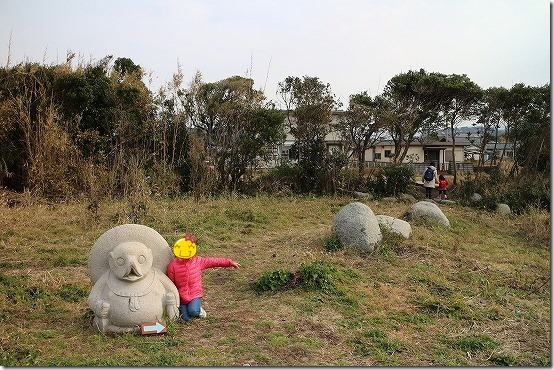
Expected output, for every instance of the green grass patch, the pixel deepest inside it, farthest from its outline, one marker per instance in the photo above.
(376, 343)
(333, 244)
(473, 342)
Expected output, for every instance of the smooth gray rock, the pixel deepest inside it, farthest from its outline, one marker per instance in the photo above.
(361, 195)
(395, 225)
(127, 267)
(356, 227)
(503, 209)
(428, 211)
(476, 197)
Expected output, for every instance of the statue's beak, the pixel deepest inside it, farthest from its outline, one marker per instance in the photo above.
(133, 273)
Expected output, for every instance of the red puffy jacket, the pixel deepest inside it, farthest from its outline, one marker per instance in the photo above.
(186, 274)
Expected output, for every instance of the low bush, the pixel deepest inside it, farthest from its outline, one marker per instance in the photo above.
(273, 281)
(318, 276)
(391, 181)
(519, 193)
(279, 180)
(315, 276)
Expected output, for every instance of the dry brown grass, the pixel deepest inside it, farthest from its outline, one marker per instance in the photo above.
(414, 304)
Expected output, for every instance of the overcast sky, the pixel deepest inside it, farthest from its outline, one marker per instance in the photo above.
(353, 45)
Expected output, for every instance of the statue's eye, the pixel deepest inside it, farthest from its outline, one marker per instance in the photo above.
(120, 261)
(141, 259)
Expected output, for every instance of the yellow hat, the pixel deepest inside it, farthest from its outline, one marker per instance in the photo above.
(185, 247)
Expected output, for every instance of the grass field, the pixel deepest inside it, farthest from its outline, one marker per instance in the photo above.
(477, 294)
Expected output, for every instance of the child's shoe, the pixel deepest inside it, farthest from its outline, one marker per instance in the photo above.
(203, 313)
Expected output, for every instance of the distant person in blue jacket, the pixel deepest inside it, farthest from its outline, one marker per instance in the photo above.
(429, 179)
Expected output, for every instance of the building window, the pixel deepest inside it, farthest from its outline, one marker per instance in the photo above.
(388, 154)
(377, 155)
(333, 148)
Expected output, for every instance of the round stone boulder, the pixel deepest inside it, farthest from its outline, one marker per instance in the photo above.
(476, 197)
(427, 211)
(395, 225)
(362, 195)
(356, 227)
(503, 209)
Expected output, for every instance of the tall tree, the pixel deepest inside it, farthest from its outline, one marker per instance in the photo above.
(458, 98)
(309, 105)
(236, 123)
(361, 127)
(490, 118)
(527, 111)
(408, 105)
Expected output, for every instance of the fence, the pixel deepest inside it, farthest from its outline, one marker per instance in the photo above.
(420, 167)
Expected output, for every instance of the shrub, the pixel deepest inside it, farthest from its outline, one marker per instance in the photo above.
(468, 187)
(377, 184)
(317, 276)
(347, 179)
(280, 179)
(273, 281)
(532, 192)
(519, 193)
(392, 180)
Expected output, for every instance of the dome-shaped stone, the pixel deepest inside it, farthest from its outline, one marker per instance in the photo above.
(427, 211)
(356, 227)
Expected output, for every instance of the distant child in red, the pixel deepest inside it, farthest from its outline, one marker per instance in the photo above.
(443, 184)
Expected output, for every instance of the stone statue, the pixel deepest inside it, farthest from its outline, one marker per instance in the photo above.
(126, 266)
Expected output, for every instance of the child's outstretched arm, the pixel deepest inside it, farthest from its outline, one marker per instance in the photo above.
(211, 262)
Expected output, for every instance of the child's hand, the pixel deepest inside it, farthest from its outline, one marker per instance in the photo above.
(235, 264)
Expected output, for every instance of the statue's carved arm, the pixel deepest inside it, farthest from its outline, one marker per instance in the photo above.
(95, 300)
(171, 297)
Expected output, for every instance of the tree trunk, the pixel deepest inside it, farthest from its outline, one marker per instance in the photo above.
(453, 150)
(361, 163)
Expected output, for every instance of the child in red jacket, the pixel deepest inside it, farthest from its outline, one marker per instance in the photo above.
(443, 184)
(186, 273)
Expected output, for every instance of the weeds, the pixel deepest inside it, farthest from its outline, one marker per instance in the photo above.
(73, 293)
(534, 224)
(390, 243)
(473, 343)
(376, 343)
(504, 360)
(333, 244)
(273, 281)
(315, 276)
(318, 276)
